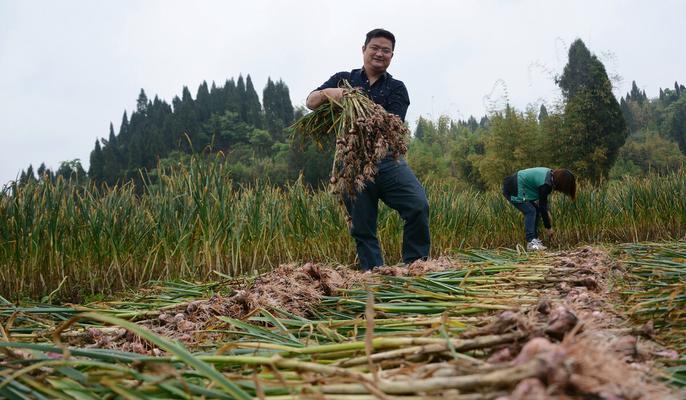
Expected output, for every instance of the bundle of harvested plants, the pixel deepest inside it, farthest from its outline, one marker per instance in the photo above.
(365, 134)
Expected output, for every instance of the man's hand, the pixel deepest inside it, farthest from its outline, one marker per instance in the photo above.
(319, 97)
(334, 93)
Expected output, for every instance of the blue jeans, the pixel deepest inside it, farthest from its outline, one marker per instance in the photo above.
(396, 185)
(531, 216)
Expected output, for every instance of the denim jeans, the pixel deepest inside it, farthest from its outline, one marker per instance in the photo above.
(396, 185)
(531, 216)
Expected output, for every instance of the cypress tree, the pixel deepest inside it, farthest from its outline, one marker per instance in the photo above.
(124, 129)
(23, 180)
(242, 99)
(675, 122)
(111, 162)
(636, 94)
(112, 139)
(97, 164)
(232, 98)
(187, 121)
(29, 174)
(278, 110)
(542, 114)
(594, 126)
(142, 102)
(472, 125)
(41, 171)
(202, 102)
(253, 106)
(627, 114)
(217, 99)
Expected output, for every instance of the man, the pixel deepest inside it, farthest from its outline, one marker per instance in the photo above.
(395, 183)
(528, 191)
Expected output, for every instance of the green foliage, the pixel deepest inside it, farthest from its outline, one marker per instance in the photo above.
(440, 151)
(194, 220)
(648, 153)
(513, 143)
(542, 113)
(675, 121)
(278, 110)
(594, 128)
(71, 171)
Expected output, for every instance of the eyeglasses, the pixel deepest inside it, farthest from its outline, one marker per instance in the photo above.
(384, 50)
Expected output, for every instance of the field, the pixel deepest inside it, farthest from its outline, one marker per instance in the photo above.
(72, 243)
(198, 289)
(605, 322)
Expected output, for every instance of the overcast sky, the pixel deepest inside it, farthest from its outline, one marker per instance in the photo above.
(68, 68)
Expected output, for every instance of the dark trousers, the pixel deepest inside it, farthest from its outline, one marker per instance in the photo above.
(397, 186)
(531, 216)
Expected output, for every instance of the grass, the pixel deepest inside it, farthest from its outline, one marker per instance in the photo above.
(62, 242)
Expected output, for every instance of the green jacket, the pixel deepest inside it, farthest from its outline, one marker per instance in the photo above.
(528, 182)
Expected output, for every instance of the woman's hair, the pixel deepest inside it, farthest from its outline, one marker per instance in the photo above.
(564, 181)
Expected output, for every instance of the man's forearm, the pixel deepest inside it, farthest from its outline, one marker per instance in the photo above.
(315, 99)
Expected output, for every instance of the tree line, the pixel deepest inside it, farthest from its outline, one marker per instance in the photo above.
(588, 131)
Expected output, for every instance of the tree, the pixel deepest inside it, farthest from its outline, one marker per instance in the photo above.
(253, 108)
(41, 171)
(594, 127)
(203, 102)
(242, 98)
(542, 114)
(71, 170)
(97, 164)
(472, 124)
(636, 94)
(648, 153)
(111, 159)
(513, 143)
(124, 129)
(27, 176)
(675, 122)
(278, 109)
(142, 102)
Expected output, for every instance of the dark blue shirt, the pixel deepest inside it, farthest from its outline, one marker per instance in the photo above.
(388, 92)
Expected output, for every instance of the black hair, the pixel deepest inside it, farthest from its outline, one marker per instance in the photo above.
(375, 33)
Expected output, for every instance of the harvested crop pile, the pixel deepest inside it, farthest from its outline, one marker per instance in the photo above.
(365, 134)
(291, 288)
(418, 268)
(545, 326)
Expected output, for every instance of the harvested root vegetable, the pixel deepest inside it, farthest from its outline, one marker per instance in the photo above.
(560, 321)
(365, 134)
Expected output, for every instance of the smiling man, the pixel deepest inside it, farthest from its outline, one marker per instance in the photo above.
(395, 183)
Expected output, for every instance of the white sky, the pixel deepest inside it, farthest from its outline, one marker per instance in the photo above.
(68, 68)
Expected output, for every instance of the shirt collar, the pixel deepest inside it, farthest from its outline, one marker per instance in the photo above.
(383, 76)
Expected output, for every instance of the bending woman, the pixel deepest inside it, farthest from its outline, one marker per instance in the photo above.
(528, 191)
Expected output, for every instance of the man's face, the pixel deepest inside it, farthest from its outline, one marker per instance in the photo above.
(377, 55)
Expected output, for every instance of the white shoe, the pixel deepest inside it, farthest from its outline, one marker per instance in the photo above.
(535, 245)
